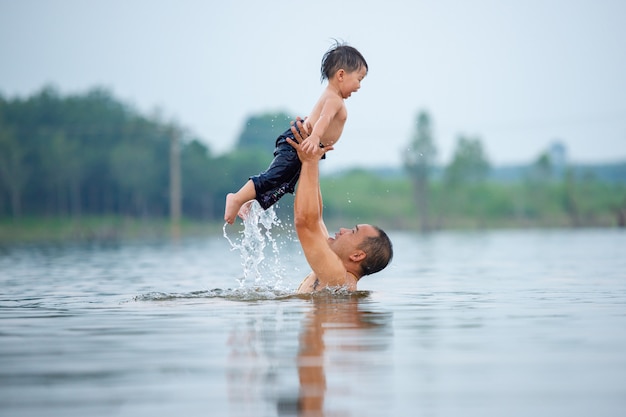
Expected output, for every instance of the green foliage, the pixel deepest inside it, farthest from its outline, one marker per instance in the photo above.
(260, 132)
(541, 169)
(91, 154)
(233, 169)
(88, 156)
(469, 163)
(463, 198)
(419, 160)
(359, 196)
(198, 180)
(85, 153)
(14, 171)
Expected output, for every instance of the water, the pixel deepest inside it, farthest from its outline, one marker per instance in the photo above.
(252, 242)
(504, 323)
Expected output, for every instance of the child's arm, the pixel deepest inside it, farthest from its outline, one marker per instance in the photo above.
(330, 109)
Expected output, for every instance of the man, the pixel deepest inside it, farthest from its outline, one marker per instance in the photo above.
(338, 261)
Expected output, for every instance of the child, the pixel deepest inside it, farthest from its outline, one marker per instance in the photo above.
(344, 67)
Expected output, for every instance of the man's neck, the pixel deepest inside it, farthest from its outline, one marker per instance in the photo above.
(353, 275)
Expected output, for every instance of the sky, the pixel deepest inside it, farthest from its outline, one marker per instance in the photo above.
(518, 75)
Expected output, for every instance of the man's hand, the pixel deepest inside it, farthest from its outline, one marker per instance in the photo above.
(303, 125)
(306, 150)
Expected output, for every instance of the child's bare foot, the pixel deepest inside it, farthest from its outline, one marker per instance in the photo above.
(245, 209)
(231, 209)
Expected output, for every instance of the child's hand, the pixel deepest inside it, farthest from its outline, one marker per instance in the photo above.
(309, 146)
(316, 155)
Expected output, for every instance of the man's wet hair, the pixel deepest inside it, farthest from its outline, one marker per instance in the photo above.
(379, 251)
(341, 55)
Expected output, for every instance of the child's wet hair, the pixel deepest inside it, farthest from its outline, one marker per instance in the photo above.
(341, 55)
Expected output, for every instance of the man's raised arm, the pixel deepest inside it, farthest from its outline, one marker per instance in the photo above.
(308, 220)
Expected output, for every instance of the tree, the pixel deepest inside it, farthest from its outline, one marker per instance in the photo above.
(63, 165)
(570, 198)
(135, 169)
(418, 161)
(232, 170)
(199, 180)
(541, 169)
(260, 132)
(463, 180)
(469, 163)
(14, 171)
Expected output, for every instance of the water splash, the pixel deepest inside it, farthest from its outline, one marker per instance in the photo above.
(255, 237)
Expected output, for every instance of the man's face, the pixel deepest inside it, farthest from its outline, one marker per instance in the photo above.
(346, 241)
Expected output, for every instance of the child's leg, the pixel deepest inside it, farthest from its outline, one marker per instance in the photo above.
(234, 201)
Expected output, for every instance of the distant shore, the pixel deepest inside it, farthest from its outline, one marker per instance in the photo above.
(111, 229)
(102, 229)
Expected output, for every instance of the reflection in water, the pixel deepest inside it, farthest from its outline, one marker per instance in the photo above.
(273, 370)
(339, 317)
(256, 355)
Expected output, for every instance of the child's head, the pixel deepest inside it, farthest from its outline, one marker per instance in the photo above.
(341, 56)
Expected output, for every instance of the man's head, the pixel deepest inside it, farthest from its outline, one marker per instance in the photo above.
(342, 56)
(379, 252)
(364, 246)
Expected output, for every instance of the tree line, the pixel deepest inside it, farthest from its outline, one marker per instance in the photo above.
(92, 155)
(550, 194)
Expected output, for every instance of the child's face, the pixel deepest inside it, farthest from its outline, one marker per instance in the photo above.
(352, 81)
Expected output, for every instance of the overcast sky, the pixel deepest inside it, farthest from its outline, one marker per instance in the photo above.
(517, 74)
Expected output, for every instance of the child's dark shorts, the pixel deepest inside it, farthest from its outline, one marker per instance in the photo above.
(282, 174)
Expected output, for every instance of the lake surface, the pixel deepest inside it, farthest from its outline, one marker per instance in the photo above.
(502, 323)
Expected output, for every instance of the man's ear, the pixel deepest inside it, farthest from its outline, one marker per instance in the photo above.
(358, 255)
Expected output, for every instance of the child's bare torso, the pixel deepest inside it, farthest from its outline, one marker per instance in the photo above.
(337, 120)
